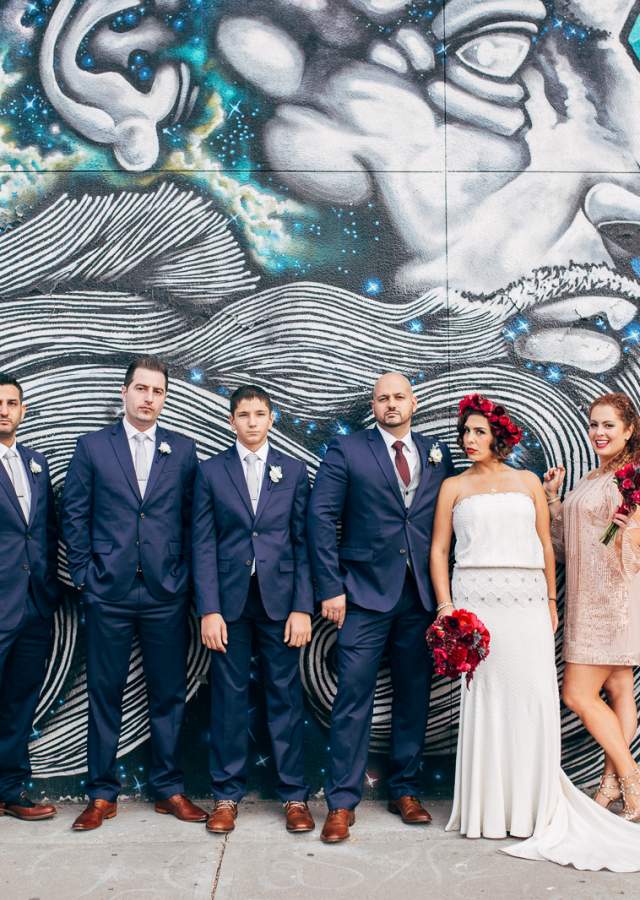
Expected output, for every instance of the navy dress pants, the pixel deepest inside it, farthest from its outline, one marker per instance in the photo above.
(161, 627)
(24, 652)
(229, 728)
(361, 643)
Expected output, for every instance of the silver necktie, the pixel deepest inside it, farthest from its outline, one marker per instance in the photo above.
(140, 461)
(253, 483)
(17, 479)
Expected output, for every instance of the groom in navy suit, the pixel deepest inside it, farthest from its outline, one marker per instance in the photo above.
(29, 595)
(381, 484)
(253, 584)
(126, 522)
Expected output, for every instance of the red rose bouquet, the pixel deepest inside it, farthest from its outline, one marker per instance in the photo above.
(459, 643)
(628, 480)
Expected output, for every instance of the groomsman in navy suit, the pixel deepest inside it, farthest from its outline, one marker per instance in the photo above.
(126, 522)
(252, 583)
(29, 595)
(381, 484)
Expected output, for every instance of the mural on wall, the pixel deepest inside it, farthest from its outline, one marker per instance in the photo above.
(305, 193)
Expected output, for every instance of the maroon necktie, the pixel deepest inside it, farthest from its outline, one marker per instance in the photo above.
(401, 463)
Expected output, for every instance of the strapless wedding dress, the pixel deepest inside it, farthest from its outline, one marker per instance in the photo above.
(508, 777)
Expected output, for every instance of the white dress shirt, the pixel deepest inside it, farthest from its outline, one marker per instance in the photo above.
(261, 462)
(149, 446)
(409, 450)
(26, 483)
(262, 454)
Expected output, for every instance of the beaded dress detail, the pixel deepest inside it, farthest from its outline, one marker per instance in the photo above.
(602, 598)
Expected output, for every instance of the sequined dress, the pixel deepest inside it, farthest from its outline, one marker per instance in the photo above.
(508, 776)
(602, 597)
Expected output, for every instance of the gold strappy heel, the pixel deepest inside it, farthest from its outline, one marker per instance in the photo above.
(609, 788)
(630, 785)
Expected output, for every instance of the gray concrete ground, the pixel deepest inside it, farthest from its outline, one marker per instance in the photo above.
(140, 854)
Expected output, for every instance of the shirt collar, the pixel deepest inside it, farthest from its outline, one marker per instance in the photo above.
(390, 439)
(3, 448)
(131, 430)
(243, 451)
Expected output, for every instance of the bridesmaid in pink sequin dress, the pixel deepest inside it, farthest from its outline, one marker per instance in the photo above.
(602, 604)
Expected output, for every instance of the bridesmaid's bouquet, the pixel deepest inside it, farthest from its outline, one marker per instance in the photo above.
(459, 643)
(628, 480)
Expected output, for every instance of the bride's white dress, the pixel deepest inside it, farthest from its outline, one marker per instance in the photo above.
(508, 776)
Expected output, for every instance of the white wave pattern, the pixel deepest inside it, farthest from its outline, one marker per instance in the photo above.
(78, 299)
(164, 239)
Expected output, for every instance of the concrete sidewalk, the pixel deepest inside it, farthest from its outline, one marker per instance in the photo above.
(140, 854)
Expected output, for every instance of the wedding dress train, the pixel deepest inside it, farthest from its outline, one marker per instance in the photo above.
(508, 776)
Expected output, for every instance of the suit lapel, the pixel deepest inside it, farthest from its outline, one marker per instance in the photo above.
(120, 445)
(236, 474)
(379, 450)
(157, 464)
(274, 458)
(33, 481)
(7, 484)
(423, 447)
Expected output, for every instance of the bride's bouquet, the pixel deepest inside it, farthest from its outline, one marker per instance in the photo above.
(628, 480)
(459, 643)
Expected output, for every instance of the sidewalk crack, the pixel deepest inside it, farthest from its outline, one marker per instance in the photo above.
(216, 877)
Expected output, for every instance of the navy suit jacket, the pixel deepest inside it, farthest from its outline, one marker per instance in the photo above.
(357, 486)
(109, 529)
(29, 558)
(227, 536)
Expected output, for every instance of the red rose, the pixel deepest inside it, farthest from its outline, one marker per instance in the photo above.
(636, 497)
(627, 484)
(504, 421)
(486, 405)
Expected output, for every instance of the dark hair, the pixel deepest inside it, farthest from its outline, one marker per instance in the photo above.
(627, 411)
(9, 379)
(152, 364)
(249, 392)
(500, 447)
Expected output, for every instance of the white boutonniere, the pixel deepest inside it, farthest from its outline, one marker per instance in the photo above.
(275, 474)
(435, 455)
(35, 467)
(164, 448)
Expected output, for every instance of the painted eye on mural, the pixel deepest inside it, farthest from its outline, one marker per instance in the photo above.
(496, 54)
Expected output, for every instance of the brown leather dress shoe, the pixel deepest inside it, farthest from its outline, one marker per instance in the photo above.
(336, 825)
(182, 808)
(223, 818)
(95, 814)
(24, 808)
(299, 816)
(410, 810)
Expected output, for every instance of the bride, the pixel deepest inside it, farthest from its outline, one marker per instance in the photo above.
(508, 776)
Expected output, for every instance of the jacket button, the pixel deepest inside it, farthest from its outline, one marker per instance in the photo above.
(403, 551)
(248, 562)
(142, 515)
(255, 534)
(25, 567)
(137, 543)
(29, 538)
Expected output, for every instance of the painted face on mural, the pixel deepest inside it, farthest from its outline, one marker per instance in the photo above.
(529, 194)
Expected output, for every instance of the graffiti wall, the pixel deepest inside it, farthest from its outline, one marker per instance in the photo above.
(305, 193)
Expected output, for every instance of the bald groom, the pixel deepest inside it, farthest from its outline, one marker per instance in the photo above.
(381, 484)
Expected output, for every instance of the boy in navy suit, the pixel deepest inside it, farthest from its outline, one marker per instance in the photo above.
(252, 583)
(126, 522)
(29, 595)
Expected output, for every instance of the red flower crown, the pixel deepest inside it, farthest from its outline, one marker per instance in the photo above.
(501, 425)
